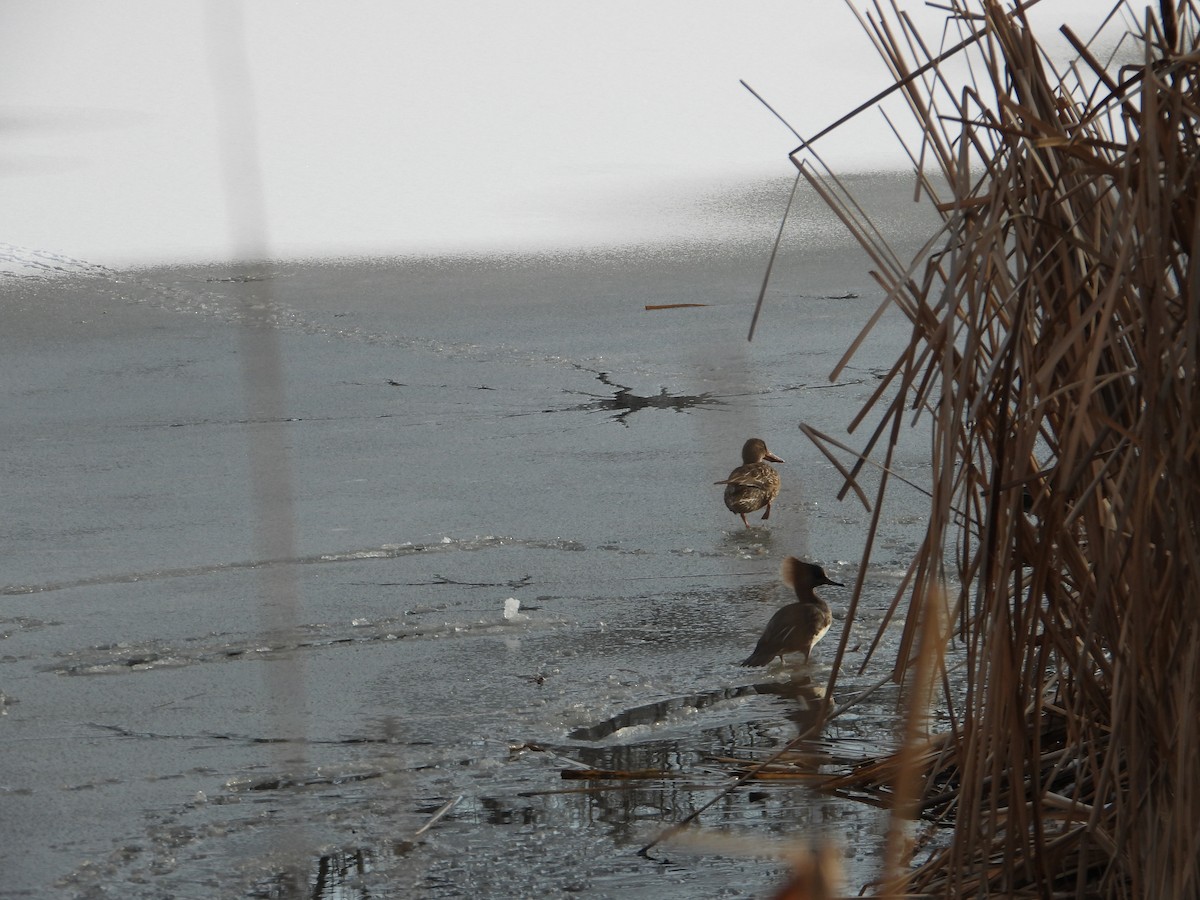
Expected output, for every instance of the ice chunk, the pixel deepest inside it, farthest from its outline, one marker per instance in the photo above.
(511, 607)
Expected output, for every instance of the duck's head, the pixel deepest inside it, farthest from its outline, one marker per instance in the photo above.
(803, 577)
(755, 450)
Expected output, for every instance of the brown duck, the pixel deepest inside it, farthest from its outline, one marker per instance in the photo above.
(753, 484)
(797, 627)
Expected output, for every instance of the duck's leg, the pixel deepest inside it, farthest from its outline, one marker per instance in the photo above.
(745, 521)
(767, 514)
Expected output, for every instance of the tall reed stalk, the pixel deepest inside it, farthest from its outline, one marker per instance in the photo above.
(1055, 344)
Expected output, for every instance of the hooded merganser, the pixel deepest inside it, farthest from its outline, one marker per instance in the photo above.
(797, 627)
(753, 484)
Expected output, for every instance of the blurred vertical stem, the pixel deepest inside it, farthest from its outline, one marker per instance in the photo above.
(263, 378)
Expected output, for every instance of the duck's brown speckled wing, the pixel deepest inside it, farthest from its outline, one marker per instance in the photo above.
(750, 487)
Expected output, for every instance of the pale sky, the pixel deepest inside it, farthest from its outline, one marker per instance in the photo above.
(389, 126)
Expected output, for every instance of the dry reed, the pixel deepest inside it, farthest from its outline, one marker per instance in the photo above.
(1055, 345)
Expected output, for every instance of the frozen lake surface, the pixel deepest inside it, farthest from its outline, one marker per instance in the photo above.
(455, 435)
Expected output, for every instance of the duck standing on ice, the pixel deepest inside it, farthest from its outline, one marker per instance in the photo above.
(753, 484)
(797, 627)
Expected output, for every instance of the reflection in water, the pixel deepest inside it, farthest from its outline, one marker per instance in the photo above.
(336, 869)
(806, 697)
(687, 771)
(336, 876)
(691, 769)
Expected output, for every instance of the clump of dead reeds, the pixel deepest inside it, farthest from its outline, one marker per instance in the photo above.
(1055, 344)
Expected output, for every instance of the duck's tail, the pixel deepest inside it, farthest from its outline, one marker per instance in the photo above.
(760, 657)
